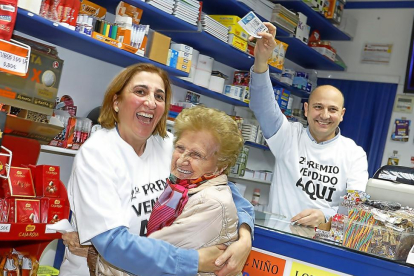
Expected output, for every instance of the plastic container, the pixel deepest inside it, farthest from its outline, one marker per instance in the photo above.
(378, 240)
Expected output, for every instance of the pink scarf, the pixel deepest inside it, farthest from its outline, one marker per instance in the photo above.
(172, 201)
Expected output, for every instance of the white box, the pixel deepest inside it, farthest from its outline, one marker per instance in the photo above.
(182, 47)
(302, 30)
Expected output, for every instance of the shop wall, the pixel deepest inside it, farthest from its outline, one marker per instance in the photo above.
(380, 26)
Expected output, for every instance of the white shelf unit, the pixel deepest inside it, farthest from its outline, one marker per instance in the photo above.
(57, 150)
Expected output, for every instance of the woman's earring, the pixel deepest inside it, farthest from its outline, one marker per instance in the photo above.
(116, 109)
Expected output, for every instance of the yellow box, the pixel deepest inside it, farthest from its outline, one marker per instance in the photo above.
(226, 20)
(237, 42)
(183, 60)
(183, 67)
(238, 30)
(277, 59)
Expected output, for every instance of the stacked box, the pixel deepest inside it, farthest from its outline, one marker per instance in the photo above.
(281, 97)
(237, 36)
(181, 55)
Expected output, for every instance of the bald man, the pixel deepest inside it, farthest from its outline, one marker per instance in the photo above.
(314, 166)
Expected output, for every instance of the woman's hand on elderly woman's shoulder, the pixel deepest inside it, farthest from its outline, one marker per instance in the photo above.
(71, 240)
(236, 254)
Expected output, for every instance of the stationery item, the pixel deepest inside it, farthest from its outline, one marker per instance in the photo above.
(252, 24)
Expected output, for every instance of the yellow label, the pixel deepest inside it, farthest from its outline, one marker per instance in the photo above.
(299, 269)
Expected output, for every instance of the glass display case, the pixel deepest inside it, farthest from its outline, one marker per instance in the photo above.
(283, 248)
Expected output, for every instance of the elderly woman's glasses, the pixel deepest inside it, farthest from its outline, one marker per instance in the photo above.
(193, 155)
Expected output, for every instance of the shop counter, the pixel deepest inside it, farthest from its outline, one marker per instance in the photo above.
(280, 248)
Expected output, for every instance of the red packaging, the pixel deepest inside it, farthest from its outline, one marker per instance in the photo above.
(67, 11)
(3, 161)
(4, 210)
(241, 78)
(74, 12)
(53, 210)
(11, 210)
(44, 8)
(8, 13)
(20, 183)
(27, 210)
(48, 180)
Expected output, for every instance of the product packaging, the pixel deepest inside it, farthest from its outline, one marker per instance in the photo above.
(47, 180)
(27, 211)
(8, 13)
(19, 183)
(53, 210)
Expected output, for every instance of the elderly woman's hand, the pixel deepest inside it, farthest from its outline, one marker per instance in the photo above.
(71, 240)
(236, 254)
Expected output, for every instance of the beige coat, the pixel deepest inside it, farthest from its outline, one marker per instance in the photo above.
(209, 218)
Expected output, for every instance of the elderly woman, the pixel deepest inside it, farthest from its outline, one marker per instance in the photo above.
(118, 175)
(196, 210)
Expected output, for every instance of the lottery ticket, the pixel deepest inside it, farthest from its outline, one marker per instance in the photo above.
(252, 24)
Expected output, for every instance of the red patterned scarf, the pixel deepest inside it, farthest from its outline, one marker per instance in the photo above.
(172, 201)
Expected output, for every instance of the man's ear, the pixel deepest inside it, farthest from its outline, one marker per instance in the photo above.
(306, 107)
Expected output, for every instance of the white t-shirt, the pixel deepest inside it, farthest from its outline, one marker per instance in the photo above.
(308, 175)
(112, 186)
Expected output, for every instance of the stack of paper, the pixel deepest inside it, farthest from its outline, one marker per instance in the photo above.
(214, 28)
(187, 10)
(164, 5)
(261, 7)
(284, 18)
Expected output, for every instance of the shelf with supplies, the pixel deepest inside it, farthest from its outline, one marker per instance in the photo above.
(217, 49)
(236, 177)
(156, 18)
(316, 20)
(293, 90)
(57, 150)
(206, 92)
(183, 32)
(39, 27)
(255, 145)
(297, 52)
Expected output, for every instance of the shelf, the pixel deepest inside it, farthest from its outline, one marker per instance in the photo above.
(219, 50)
(316, 20)
(303, 55)
(293, 90)
(206, 92)
(227, 7)
(51, 32)
(152, 16)
(255, 145)
(57, 150)
(297, 52)
(249, 179)
(27, 232)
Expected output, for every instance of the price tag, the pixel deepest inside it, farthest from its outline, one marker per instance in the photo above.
(14, 58)
(48, 230)
(5, 228)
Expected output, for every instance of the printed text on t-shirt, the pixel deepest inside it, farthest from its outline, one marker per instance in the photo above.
(317, 180)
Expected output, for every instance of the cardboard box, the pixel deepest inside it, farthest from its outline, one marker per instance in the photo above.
(157, 47)
(92, 9)
(42, 132)
(238, 30)
(182, 48)
(124, 9)
(237, 42)
(184, 67)
(37, 90)
(226, 20)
